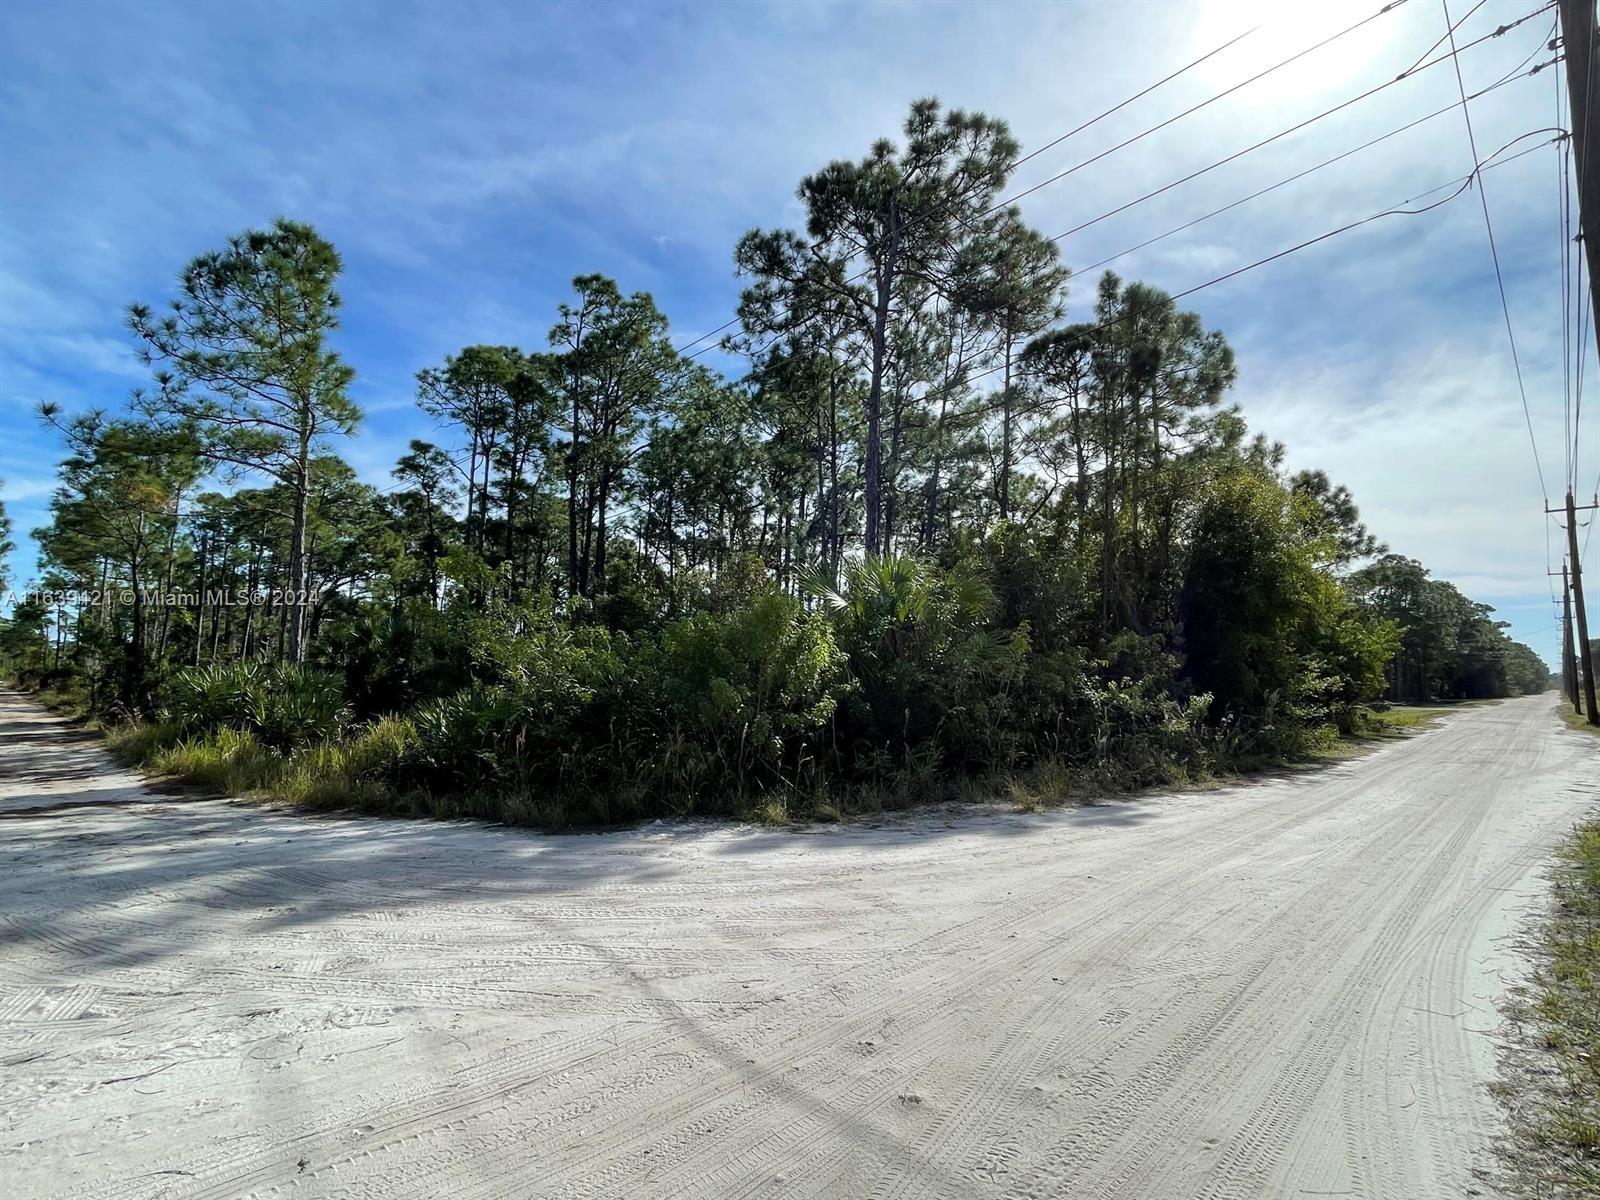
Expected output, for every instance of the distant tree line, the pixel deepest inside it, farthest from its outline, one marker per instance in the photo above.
(1450, 647)
(936, 532)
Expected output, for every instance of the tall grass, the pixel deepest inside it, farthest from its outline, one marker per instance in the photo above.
(1550, 1062)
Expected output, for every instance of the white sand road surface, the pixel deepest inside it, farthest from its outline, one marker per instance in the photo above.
(1275, 990)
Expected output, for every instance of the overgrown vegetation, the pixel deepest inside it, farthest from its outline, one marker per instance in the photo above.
(1570, 686)
(1575, 719)
(1550, 1064)
(937, 535)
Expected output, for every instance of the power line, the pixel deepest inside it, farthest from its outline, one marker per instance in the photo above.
(1494, 160)
(1440, 40)
(1410, 125)
(1397, 210)
(1050, 145)
(1564, 219)
(1500, 31)
(1216, 212)
(1547, 43)
(1076, 167)
(965, 381)
(1494, 253)
(1461, 184)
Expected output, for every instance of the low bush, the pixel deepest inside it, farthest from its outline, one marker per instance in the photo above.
(282, 705)
(900, 682)
(231, 760)
(739, 703)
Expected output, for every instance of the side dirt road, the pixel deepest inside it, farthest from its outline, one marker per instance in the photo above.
(1276, 990)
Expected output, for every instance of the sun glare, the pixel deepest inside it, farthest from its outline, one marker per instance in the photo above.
(1281, 29)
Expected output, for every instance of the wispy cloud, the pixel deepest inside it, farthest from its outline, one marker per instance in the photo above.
(469, 168)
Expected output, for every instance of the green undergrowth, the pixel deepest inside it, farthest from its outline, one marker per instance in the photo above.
(1400, 720)
(1371, 728)
(1550, 1061)
(1575, 719)
(367, 771)
(357, 774)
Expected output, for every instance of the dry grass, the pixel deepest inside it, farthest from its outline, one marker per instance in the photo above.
(1574, 719)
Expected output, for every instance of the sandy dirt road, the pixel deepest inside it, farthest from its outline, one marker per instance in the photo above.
(1267, 991)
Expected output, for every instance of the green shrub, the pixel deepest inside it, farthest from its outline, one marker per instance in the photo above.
(929, 666)
(211, 697)
(907, 681)
(468, 739)
(740, 701)
(283, 705)
(296, 706)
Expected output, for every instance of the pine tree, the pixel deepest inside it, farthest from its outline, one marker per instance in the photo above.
(243, 354)
(877, 231)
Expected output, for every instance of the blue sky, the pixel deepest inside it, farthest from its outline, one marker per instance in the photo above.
(468, 159)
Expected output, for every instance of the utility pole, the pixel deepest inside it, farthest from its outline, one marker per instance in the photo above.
(1569, 664)
(1578, 46)
(1585, 658)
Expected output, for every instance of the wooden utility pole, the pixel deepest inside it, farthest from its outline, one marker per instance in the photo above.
(1577, 48)
(1585, 658)
(1569, 663)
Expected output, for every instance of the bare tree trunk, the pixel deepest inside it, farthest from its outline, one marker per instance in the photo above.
(252, 581)
(835, 552)
(1005, 435)
(574, 584)
(599, 580)
(200, 611)
(513, 479)
(1081, 454)
(586, 548)
(294, 625)
(873, 476)
(172, 553)
(892, 476)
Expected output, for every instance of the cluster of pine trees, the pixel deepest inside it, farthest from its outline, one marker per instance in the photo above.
(936, 532)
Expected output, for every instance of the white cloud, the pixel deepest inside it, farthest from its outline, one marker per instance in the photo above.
(468, 169)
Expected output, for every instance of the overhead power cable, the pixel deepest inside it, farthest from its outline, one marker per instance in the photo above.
(1493, 161)
(1398, 210)
(1212, 99)
(1050, 145)
(1260, 262)
(1441, 38)
(1546, 43)
(1268, 141)
(1500, 32)
(1139, 95)
(1272, 187)
(1494, 254)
